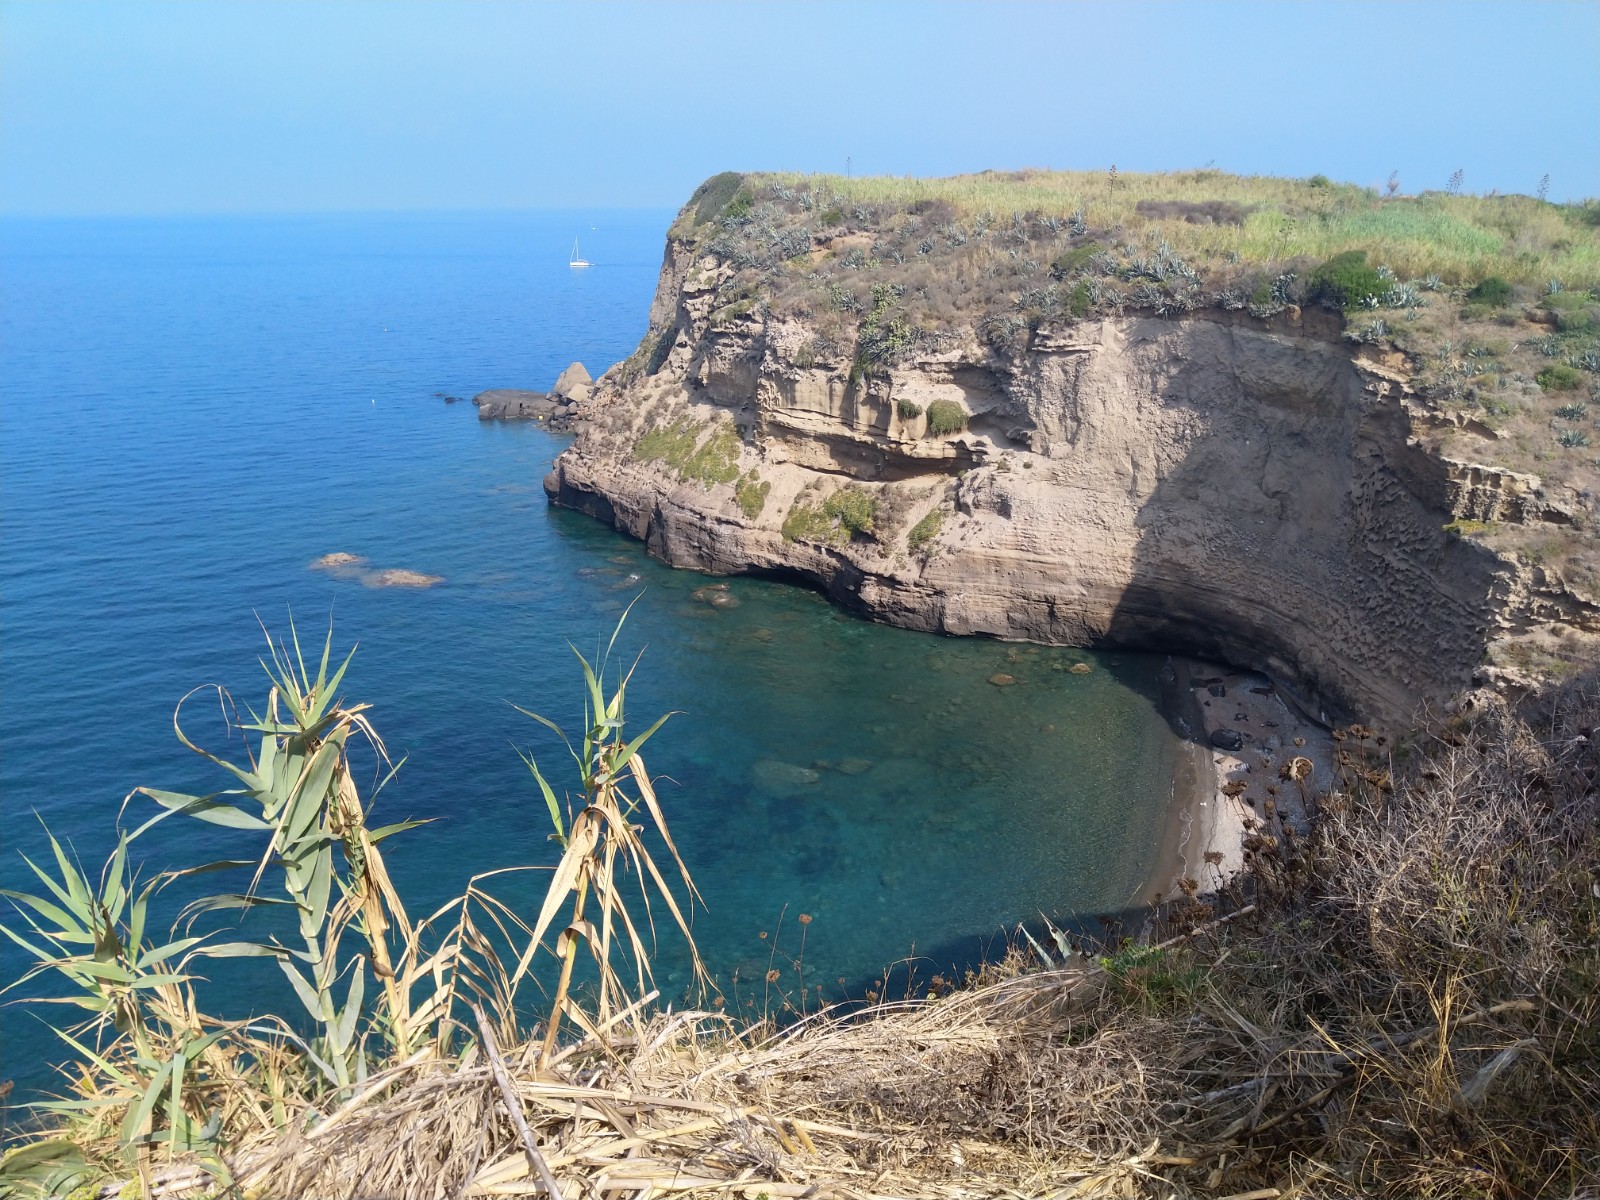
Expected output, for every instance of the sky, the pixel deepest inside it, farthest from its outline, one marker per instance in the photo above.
(117, 107)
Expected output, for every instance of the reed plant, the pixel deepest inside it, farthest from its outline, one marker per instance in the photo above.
(156, 1080)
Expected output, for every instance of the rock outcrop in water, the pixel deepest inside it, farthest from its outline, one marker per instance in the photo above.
(554, 408)
(1256, 491)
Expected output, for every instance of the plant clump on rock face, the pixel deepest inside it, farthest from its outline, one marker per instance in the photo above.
(855, 510)
(946, 417)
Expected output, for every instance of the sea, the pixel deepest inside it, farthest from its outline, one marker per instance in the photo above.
(193, 410)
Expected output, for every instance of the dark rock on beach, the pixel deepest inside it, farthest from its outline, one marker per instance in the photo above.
(1227, 739)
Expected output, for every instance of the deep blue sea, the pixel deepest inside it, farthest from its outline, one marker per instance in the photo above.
(191, 411)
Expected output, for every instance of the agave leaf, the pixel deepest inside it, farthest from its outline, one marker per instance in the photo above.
(309, 800)
(102, 970)
(116, 1074)
(155, 981)
(50, 1168)
(77, 888)
(331, 687)
(1037, 949)
(321, 882)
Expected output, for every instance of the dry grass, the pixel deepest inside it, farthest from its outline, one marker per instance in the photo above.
(1407, 1008)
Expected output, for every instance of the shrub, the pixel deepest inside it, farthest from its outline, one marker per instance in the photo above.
(1573, 412)
(1081, 300)
(855, 510)
(1070, 262)
(1573, 439)
(832, 216)
(1319, 181)
(717, 461)
(909, 410)
(807, 523)
(1492, 291)
(946, 417)
(712, 196)
(1558, 377)
(751, 495)
(924, 531)
(1345, 281)
(739, 206)
(1575, 312)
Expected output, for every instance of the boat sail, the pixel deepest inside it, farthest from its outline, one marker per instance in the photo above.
(576, 260)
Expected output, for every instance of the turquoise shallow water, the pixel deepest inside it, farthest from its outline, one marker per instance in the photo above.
(192, 411)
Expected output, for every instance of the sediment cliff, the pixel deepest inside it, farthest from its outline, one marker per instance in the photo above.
(1255, 490)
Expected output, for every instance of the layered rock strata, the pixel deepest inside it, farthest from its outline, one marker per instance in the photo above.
(1261, 493)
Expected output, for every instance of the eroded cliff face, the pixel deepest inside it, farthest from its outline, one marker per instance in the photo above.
(1257, 492)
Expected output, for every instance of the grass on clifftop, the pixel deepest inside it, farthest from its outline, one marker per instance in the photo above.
(1262, 219)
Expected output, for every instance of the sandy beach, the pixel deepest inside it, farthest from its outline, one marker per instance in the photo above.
(1242, 734)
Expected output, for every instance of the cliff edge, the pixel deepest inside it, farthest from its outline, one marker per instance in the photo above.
(1246, 484)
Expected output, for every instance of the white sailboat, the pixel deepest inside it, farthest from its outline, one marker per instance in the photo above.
(575, 260)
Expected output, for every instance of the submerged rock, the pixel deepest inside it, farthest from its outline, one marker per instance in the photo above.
(1081, 668)
(332, 562)
(775, 776)
(399, 577)
(717, 595)
(1001, 679)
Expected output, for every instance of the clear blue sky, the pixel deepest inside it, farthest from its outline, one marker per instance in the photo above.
(125, 107)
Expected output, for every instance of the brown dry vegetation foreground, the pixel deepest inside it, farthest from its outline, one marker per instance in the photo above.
(1401, 1003)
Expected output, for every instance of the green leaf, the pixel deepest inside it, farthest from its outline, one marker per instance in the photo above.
(308, 994)
(140, 1115)
(632, 747)
(206, 808)
(345, 1027)
(377, 835)
(162, 953)
(115, 873)
(549, 799)
(309, 801)
(64, 922)
(242, 950)
(321, 882)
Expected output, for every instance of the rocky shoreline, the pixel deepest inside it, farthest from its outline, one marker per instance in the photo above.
(556, 409)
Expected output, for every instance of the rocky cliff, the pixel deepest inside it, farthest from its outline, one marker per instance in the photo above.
(1259, 491)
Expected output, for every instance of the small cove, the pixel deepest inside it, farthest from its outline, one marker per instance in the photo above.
(195, 410)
